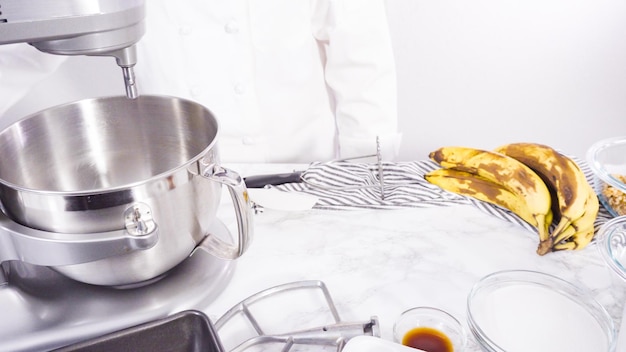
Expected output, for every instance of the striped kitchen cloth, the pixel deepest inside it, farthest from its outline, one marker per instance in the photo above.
(344, 185)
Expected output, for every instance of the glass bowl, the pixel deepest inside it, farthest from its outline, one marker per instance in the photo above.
(607, 160)
(425, 328)
(611, 241)
(521, 311)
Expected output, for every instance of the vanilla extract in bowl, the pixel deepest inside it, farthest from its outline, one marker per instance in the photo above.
(429, 329)
(428, 339)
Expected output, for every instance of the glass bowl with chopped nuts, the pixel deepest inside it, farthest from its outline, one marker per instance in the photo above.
(607, 160)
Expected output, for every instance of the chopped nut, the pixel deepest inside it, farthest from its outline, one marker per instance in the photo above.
(615, 197)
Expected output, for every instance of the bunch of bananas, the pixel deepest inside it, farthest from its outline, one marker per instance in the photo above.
(532, 180)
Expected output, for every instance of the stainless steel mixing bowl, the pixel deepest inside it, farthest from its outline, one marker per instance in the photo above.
(114, 163)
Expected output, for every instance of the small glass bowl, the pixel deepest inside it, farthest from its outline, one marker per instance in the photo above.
(518, 310)
(612, 243)
(611, 239)
(607, 160)
(430, 317)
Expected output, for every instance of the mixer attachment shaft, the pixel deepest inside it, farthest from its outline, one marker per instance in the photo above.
(335, 334)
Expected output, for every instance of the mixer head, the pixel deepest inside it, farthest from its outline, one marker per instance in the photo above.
(78, 27)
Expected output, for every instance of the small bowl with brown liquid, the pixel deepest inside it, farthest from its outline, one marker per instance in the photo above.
(430, 329)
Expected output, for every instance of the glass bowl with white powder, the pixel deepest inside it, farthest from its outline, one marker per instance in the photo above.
(611, 240)
(522, 311)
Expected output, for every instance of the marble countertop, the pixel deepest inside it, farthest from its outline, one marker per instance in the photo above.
(383, 262)
(375, 263)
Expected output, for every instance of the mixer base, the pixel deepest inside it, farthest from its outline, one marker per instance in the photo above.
(43, 310)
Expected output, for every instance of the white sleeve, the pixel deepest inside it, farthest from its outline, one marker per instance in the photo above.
(22, 66)
(360, 74)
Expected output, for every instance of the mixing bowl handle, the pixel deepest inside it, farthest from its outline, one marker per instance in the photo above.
(239, 193)
(26, 244)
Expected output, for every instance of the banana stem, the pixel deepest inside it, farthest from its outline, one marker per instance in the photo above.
(545, 240)
(545, 246)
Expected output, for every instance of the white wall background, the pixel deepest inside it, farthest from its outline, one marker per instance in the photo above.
(487, 72)
(471, 72)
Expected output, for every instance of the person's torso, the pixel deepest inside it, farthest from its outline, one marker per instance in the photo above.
(255, 64)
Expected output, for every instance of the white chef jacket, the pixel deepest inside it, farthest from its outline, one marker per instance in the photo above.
(288, 80)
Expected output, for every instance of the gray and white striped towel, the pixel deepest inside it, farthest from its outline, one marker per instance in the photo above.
(348, 185)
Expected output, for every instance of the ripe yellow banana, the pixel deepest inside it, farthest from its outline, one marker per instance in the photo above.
(513, 175)
(581, 231)
(478, 187)
(564, 179)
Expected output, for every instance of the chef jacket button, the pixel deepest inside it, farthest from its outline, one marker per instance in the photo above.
(248, 140)
(184, 30)
(240, 88)
(232, 27)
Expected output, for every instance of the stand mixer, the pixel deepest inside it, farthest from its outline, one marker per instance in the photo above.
(42, 309)
(78, 27)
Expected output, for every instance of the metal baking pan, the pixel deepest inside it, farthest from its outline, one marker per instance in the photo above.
(187, 331)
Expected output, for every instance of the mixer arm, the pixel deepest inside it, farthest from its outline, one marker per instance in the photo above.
(78, 27)
(18, 242)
